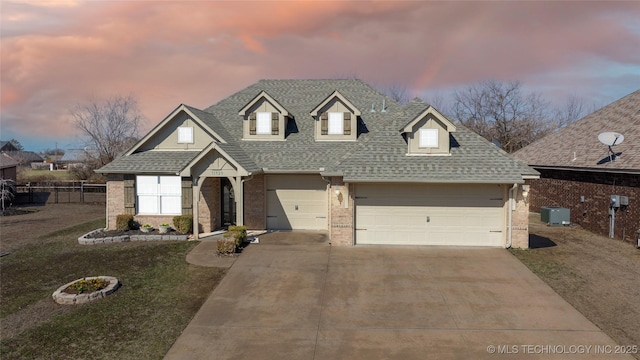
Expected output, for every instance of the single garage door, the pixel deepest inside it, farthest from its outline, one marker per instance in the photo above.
(418, 214)
(296, 202)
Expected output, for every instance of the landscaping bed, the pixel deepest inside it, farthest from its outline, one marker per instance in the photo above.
(599, 276)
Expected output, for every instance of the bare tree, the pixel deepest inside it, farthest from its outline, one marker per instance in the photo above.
(502, 113)
(16, 144)
(7, 192)
(398, 93)
(108, 128)
(573, 110)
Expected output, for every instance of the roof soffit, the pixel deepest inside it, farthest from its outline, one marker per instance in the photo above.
(430, 110)
(335, 95)
(208, 150)
(263, 95)
(169, 118)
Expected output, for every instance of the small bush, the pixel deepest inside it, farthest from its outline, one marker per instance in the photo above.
(183, 223)
(240, 233)
(226, 245)
(124, 222)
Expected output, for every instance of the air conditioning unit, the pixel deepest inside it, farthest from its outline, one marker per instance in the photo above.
(555, 215)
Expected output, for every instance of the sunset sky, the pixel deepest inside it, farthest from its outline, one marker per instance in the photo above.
(58, 53)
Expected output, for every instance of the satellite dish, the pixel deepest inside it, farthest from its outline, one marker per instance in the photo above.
(611, 138)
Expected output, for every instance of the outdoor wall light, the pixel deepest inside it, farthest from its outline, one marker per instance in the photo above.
(525, 192)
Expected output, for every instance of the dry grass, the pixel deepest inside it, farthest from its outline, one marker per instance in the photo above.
(599, 276)
(160, 292)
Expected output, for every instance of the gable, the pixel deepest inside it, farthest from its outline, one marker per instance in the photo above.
(174, 135)
(263, 118)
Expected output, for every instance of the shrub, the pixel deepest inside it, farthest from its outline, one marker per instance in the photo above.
(239, 233)
(226, 245)
(183, 223)
(124, 222)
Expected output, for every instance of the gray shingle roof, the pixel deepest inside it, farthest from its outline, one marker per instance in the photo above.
(150, 162)
(379, 154)
(577, 145)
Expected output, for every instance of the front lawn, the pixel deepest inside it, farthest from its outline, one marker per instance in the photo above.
(160, 293)
(599, 276)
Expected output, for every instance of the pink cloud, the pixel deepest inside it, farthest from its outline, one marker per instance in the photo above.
(166, 53)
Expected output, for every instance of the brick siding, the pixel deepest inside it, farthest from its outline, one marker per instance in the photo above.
(520, 221)
(564, 188)
(254, 203)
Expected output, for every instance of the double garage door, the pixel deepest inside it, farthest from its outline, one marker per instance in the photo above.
(416, 214)
(296, 202)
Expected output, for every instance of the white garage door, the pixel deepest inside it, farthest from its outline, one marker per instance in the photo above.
(296, 202)
(417, 214)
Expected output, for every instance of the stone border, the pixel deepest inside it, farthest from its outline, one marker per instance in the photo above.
(86, 240)
(63, 298)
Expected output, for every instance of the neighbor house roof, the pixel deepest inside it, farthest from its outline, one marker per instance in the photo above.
(7, 162)
(379, 154)
(577, 146)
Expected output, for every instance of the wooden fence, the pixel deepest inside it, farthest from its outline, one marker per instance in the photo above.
(61, 192)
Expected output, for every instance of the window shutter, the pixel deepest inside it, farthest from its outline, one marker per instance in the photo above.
(275, 120)
(324, 123)
(252, 123)
(347, 123)
(187, 196)
(129, 194)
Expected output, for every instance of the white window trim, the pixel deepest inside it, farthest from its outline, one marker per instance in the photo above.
(428, 138)
(185, 135)
(158, 195)
(263, 123)
(336, 123)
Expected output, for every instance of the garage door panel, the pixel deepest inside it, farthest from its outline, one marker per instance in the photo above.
(415, 214)
(296, 202)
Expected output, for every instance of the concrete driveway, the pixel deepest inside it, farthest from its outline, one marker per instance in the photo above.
(303, 299)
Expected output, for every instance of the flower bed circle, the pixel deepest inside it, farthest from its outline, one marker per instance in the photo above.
(82, 291)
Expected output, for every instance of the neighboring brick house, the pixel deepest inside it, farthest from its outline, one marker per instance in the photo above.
(580, 173)
(324, 155)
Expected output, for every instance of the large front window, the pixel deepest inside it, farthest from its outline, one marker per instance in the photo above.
(159, 195)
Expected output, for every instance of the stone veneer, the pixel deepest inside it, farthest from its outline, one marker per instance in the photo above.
(341, 220)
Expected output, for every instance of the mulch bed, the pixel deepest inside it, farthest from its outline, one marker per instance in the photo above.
(114, 233)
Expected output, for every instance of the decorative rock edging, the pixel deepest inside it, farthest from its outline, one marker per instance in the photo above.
(87, 240)
(63, 298)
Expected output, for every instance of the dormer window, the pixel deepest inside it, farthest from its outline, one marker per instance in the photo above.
(336, 123)
(335, 119)
(428, 133)
(264, 119)
(428, 138)
(263, 123)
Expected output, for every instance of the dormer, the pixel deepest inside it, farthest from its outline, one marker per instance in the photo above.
(263, 118)
(428, 133)
(336, 119)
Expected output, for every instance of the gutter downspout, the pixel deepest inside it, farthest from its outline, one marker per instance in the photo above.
(511, 208)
